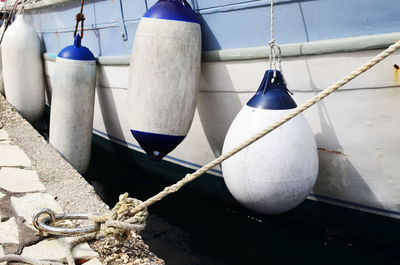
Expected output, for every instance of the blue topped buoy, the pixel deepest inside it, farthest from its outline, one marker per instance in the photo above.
(276, 173)
(76, 51)
(173, 10)
(72, 104)
(272, 93)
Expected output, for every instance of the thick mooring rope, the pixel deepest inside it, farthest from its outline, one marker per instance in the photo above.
(130, 214)
(119, 223)
(122, 219)
(132, 222)
(346, 79)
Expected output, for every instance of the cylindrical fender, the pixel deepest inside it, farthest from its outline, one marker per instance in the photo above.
(24, 81)
(72, 104)
(164, 76)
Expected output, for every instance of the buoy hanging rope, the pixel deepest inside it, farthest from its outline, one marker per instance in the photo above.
(22, 9)
(80, 17)
(274, 49)
(10, 16)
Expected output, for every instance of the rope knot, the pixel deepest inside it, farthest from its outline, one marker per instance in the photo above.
(80, 17)
(123, 219)
(272, 43)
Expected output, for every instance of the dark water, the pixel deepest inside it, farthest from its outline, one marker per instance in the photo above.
(185, 229)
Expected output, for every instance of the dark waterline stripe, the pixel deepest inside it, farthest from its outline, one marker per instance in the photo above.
(138, 147)
(317, 196)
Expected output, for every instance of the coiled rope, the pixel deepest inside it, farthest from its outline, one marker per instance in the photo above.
(122, 219)
(119, 223)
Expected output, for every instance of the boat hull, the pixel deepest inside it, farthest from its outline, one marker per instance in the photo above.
(355, 128)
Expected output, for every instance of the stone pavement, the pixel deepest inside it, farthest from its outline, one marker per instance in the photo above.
(21, 194)
(32, 176)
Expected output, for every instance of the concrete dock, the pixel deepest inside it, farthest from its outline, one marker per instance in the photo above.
(32, 176)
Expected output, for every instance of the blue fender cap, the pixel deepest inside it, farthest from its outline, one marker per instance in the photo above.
(172, 10)
(272, 93)
(76, 51)
(157, 145)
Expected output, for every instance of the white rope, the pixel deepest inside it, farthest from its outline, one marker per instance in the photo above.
(23, 6)
(272, 39)
(326, 92)
(275, 51)
(68, 249)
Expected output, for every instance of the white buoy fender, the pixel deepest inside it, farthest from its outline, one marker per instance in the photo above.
(24, 82)
(277, 172)
(164, 76)
(72, 104)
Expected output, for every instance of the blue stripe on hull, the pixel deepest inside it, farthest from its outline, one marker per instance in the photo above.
(225, 24)
(157, 145)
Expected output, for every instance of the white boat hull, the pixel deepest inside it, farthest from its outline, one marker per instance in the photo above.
(356, 128)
